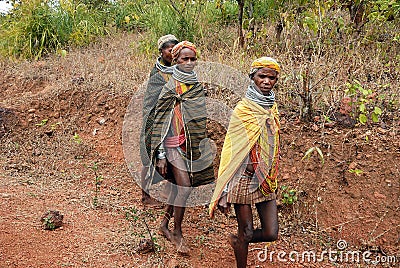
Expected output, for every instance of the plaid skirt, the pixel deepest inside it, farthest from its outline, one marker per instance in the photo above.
(241, 192)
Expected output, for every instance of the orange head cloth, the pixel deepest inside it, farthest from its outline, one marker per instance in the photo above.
(178, 47)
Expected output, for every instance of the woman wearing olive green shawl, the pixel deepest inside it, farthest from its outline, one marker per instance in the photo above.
(159, 76)
(249, 160)
(179, 131)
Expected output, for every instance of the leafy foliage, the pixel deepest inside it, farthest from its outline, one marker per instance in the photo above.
(288, 195)
(364, 100)
(35, 28)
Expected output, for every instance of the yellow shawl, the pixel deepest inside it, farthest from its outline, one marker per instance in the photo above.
(247, 126)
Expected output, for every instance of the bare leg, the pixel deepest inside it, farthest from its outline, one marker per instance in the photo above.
(169, 210)
(268, 214)
(165, 221)
(269, 229)
(183, 192)
(240, 243)
(146, 198)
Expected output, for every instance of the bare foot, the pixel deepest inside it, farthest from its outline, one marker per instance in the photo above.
(165, 232)
(180, 243)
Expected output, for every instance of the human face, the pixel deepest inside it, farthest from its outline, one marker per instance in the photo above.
(186, 60)
(265, 80)
(166, 54)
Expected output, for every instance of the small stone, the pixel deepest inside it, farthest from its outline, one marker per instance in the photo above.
(172, 263)
(101, 59)
(145, 246)
(113, 192)
(353, 165)
(379, 196)
(31, 111)
(381, 130)
(101, 120)
(330, 125)
(55, 115)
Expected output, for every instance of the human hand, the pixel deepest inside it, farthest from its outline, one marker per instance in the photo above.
(162, 166)
(223, 204)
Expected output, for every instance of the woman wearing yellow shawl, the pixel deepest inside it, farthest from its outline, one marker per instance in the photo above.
(249, 160)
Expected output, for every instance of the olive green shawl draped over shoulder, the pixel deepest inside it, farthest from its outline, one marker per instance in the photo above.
(154, 86)
(199, 156)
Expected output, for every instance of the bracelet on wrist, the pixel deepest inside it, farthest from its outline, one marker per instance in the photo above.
(161, 155)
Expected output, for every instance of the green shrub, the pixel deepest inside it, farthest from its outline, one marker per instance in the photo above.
(38, 27)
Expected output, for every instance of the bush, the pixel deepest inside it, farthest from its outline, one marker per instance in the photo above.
(38, 27)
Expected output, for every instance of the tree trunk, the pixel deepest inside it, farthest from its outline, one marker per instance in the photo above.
(278, 31)
(240, 22)
(306, 111)
(357, 12)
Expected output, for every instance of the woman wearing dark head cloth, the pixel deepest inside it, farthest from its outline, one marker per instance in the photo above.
(178, 131)
(248, 169)
(159, 76)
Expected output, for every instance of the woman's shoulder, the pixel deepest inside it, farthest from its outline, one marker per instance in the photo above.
(153, 71)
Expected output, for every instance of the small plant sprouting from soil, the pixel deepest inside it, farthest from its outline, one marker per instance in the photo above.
(289, 196)
(77, 139)
(200, 239)
(136, 216)
(51, 220)
(307, 155)
(55, 125)
(42, 123)
(98, 179)
(358, 172)
(363, 99)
